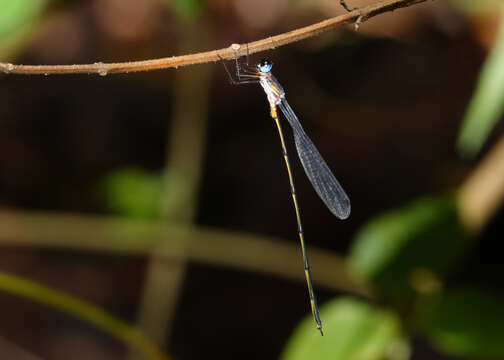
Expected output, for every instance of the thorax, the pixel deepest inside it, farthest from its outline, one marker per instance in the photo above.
(272, 88)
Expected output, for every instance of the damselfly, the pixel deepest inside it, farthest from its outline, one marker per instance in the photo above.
(316, 169)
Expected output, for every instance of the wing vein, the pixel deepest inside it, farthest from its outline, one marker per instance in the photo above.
(323, 180)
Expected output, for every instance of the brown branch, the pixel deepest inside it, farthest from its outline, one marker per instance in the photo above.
(358, 15)
(119, 236)
(482, 194)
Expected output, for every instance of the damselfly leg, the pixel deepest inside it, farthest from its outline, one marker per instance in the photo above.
(345, 6)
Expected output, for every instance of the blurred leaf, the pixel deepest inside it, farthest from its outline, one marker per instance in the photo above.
(424, 237)
(17, 14)
(487, 103)
(17, 20)
(464, 323)
(477, 7)
(186, 10)
(133, 192)
(86, 312)
(353, 330)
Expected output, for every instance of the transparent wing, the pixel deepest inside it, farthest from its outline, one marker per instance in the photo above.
(321, 177)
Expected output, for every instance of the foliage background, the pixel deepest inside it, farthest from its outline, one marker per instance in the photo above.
(183, 149)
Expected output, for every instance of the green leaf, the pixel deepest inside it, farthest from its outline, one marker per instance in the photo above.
(353, 330)
(464, 323)
(475, 8)
(487, 103)
(17, 14)
(18, 20)
(424, 237)
(186, 10)
(133, 192)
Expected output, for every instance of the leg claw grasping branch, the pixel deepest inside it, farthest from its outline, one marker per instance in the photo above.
(345, 6)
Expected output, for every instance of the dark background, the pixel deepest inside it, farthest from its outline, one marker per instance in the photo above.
(383, 105)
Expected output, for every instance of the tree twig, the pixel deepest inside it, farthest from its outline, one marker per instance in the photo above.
(482, 194)
(272, 42)
(119, 236)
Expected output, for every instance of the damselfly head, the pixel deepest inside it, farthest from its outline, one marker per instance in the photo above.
(264, 65)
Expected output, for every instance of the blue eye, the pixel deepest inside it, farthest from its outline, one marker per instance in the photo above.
(265, 65)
